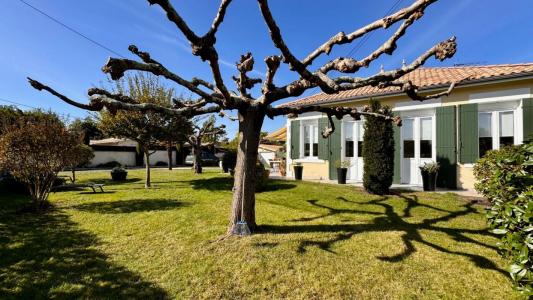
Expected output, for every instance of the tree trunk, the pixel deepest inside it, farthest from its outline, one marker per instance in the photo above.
(147, 183)
(196, 149)
(243, 206)
(169, 153)
(73, 175)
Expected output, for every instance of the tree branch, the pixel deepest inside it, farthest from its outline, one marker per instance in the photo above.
(338, 112)
(417, 8)
(114, 102)
(412, 90)
(219, 18)
(244, 83)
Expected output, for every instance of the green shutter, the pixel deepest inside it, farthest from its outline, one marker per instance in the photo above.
(446, 147)
(527, 107)
(397, 155)
(468, 133)
(334, 148)
(323, 143)
(295, 139)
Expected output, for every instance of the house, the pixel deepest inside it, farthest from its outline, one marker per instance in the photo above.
(491, 106)
(267, 153)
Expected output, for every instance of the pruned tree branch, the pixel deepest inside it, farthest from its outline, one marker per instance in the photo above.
(244, 83)
(411, 90)
(115, 102)
(417, 8)
(337, 112)
(204, 47)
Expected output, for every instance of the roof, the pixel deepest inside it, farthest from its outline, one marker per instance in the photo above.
(279, 135)
(426, 78)
(114, 142)
(271, 148)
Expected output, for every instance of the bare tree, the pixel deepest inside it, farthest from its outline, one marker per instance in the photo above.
(216, 97)
(207, 130)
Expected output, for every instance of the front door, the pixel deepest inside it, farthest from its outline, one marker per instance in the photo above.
(417, 147)
(352, 149)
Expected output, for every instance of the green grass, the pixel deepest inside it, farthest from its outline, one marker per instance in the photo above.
(317, 241)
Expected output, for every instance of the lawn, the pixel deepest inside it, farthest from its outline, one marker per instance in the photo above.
(317, 241)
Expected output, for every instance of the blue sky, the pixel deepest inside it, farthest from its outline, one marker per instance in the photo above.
(488, 32)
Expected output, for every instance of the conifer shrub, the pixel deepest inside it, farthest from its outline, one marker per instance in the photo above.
(378, 151)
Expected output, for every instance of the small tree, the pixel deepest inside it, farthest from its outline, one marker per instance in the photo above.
(86, 128)
(174, 132)
(143, 128)
(34, 151)
(208, 132)
(80, 156)
(378, 150)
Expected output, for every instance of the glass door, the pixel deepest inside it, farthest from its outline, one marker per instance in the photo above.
(417, 148)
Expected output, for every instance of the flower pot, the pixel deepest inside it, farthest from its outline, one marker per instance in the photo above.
(429, 180)
(341, 175)
(298, 172)
(119, 176)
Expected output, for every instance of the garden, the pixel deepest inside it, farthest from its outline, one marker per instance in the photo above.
(313, 241)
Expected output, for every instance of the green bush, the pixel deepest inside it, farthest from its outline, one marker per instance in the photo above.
(505, 177)
(110, 164)
(378, 151)
(229, 160)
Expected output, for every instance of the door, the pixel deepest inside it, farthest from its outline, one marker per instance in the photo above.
(352, 149)
(417, 147)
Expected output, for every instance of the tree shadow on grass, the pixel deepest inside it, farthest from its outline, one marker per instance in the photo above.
(46, 256)
(226, 184)
(130, 206)
(390, 221)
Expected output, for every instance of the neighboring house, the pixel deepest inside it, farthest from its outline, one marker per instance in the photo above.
(267, 153)
(124, 151)
(491, 106)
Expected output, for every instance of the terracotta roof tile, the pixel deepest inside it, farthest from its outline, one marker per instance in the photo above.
(424, 78)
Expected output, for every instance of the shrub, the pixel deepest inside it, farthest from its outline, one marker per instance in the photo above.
(378, 151)
(34, 150)
(161, 164)
(118, 174)
(229, 160)
(505, 177)
(261, 177)
(110, 164)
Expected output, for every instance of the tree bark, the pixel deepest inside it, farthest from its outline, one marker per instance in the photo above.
(196, 149)
(243, 206)
(169, 153)
(147, 183)
(73, 175)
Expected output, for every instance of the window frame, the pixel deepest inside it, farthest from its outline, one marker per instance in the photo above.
(313, 124)
(496, 127)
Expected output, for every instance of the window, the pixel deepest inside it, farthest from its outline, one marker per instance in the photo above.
(408, 138)
(360, 136)
(485, 133)
(426, 133)
(310, 139)
(348, 139)
(496, 130)
(506, 128)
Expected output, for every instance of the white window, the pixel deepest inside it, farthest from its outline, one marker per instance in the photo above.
(310, 139)
(496, 129)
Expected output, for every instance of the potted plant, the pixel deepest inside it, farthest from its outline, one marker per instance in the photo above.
(429, 175)
(342, 170)
(229, 160)
(118, 174)
(298, 170)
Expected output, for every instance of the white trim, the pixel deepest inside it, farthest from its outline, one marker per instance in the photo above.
(415, 105)
(500, 96)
